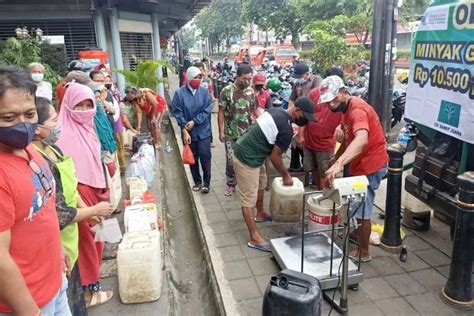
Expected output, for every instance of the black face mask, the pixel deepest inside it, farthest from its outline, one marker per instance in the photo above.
(259, 87)
(302, 121)
(342, 107)
(108, 86)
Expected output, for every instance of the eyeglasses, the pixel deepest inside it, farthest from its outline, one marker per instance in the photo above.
(39, 173)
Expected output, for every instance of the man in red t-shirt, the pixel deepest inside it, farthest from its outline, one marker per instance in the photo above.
(364, 148)
(31, 275)
(317, 138)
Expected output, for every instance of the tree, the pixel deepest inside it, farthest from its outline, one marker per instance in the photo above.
(220, 21)
(188, 37)
(25, 51)
(412, 9)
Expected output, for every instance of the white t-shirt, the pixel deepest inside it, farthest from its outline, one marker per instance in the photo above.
(45, 90)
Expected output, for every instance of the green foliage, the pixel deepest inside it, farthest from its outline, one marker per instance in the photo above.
(145, 75)
(411, 10)
(25, 51)
(220, 21)
(188, 38)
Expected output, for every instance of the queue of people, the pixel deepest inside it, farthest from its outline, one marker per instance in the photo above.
(58, 164)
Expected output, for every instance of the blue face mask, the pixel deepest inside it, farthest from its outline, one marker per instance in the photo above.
(54, 135)
(18, 136)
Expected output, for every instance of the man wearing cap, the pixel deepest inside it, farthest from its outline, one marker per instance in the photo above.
(263, 96)
(192, 107)
(364, 149)
(237, 105)
(269, 137)
(303, 84)
(317, 138)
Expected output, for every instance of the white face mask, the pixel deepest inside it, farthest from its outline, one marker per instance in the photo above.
(37, 77)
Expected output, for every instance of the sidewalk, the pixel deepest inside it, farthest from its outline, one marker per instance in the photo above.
(390, 287)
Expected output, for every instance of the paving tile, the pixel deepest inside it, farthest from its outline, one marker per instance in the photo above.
(405, 284)
(244, 289)
(357, 297)
(263, 281)
(226, 239)
(376, 251)
(378, 288)
(430, 304)
(227, 227)
(396, 307)
(431, 279)
(251, 307)
(433, 257)
(415, 243)
(444, 270)
(363, 309)
(242, 236)
(237, 270)
(234, 215)
(212, 207)
(368, 270)
(231, 253)
(386, 265)
(263, 265)
(251, 253)
(216, 217)
(413, 263)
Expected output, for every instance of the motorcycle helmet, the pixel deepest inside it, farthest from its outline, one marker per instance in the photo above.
(78, 65)
(403, 77)
(274, 84)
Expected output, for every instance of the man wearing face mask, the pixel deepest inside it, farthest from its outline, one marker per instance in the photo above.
(237, 105)
(192, 107)
(303, 84)
(44, 89)
(269, 137)
(263, 96)
(31, 273)
(364, 149)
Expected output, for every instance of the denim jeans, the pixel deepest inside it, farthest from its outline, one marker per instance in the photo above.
(365, 211)
(58, 305)
(202, 154)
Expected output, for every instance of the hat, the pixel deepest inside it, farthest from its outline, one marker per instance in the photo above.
(300, 70)
(307, 106)
(330, 86)
(192, 72)
(79, 77)
(259, 79)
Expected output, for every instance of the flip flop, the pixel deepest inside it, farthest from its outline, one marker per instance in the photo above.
(99, 298)
(205, 190)
(356, 259)
(266, 219)
(229, 191)
(262, 247)
(197, 188)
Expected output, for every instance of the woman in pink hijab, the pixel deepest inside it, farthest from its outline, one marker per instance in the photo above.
(79, 141)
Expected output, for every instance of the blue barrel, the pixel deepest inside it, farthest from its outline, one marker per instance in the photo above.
(292, 293)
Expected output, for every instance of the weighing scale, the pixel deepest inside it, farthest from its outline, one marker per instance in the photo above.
(322, 257)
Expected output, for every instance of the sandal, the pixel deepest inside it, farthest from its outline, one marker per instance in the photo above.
(229, 191)
(267, 218)
(99, 298)
(205, 190)
(355, 258)
(262, 247)
(197, 188)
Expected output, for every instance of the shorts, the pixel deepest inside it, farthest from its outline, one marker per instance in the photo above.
(250, 181)
(317, 159)
(365, 211)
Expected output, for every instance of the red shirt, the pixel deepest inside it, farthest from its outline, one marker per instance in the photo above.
(319, 135)
(360, 115)
(147, 107)
(30, 215)
(262, 98)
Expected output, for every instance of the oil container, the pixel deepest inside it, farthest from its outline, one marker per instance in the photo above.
(139, 267)
(286, 202)
(292, 293)
(140, 217)
(320, 212)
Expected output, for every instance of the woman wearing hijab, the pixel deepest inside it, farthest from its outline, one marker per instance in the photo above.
(79, 141)
(69, 206)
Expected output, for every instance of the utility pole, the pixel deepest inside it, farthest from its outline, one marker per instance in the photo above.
(381, 64)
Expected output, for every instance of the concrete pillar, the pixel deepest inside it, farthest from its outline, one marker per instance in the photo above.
(116, 47)
(157, 49)
(100, 29)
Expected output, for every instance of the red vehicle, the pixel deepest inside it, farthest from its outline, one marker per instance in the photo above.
(283, 53)
(252, 51)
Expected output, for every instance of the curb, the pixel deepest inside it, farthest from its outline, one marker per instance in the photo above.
(222, 292)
